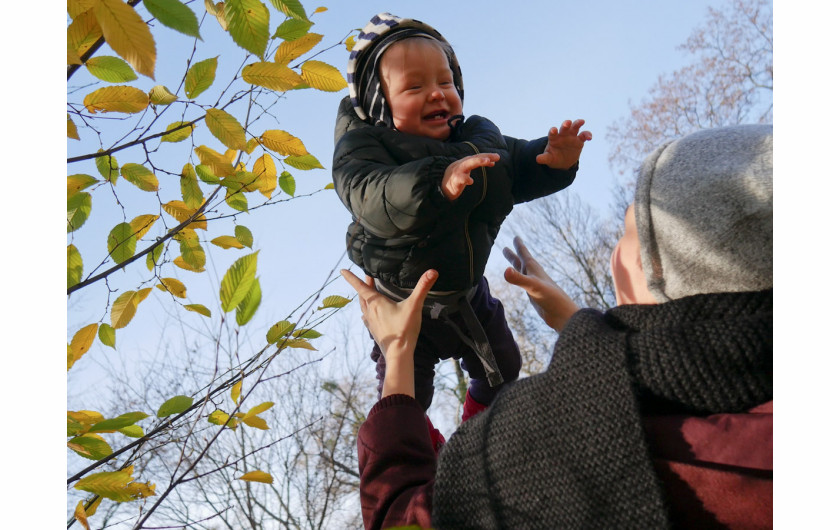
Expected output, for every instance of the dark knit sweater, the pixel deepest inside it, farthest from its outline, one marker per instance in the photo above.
(566, 448)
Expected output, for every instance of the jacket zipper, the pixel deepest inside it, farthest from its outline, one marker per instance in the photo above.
(467, 220)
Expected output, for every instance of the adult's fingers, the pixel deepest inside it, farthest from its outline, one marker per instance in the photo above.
(424, 285)
(361, 287)
(513, 259)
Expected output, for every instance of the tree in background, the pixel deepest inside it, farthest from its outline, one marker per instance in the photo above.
(729, 80)
(170, 165)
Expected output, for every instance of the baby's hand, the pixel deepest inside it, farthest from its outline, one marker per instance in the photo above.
(564, 146)
(457, 175)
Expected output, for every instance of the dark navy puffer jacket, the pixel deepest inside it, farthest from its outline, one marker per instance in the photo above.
(403, 225)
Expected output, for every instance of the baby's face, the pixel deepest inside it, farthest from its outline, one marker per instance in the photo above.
(419, 88)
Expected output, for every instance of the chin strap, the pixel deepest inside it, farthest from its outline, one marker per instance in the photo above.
(455, 123)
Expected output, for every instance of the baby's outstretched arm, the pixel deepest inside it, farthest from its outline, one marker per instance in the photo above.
(457, 174)
(564, 145)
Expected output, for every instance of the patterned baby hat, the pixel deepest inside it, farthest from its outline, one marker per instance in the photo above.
(383, 30)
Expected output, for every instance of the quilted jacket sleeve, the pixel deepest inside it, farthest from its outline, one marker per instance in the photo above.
(391, 184)
(532, 180)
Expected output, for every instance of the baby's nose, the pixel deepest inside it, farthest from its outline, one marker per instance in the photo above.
(436, 94)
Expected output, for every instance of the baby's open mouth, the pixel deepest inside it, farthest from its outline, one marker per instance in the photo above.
(436, 115)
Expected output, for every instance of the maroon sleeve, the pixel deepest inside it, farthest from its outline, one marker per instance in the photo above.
(396, 465)
(716, 470)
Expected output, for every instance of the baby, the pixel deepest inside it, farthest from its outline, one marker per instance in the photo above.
(429, 190)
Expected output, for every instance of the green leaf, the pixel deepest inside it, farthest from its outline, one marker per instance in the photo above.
(178, 135)
(132, 431)
(78, 210)
(108, 167)
(304, 162)
(114, 424)
(244, 235)
(278, 331)
(74, 266)
(200, 77)
(175, 15)
(290, 8)
(198, 308)
(292, 29)
(174, 405)
(107, 335)
(206, 174)
(247, 22)
(92, 447)
(237, 281)
(287, 183)
(190, 190)
(121, 242)
(248, 306)
(153, 256)
(140, 176)
(237, 201)
(225, 128)
(334, 301)
(191, 249)
(306, 334)
(110, 69)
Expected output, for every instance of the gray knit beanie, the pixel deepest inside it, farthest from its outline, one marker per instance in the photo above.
(381, 32)
(704, 211)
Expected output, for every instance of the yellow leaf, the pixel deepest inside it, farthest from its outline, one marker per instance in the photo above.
(71, 129)
(83, 32)
(219, 417)
(181, 131)
(198, 308)
(77, 7)
(216, 161)
(78, 182)
(227, 242)
(82, 341)
(160, 95)
(125, 306)
(181, 212)
(297, 343)
(266, 172)
(349, 43)
(91, 510)
(80, 515)
(225, 128)
(127, 34)
(235, 391)
(174, 286)
(320, 9)
(255, 422)
(140, 176)
(334, 301)
(283, 143)
(118, 486)
(290, 50)
(323, 76)
(211, 7)
(257, 476)
(271, 75)
(262, 407)
(251, 144)
(180, 262)
(141, 224)
(119, 98)
(73, 57)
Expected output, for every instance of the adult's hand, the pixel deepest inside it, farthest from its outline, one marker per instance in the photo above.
(552, 303)
(395, 327)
